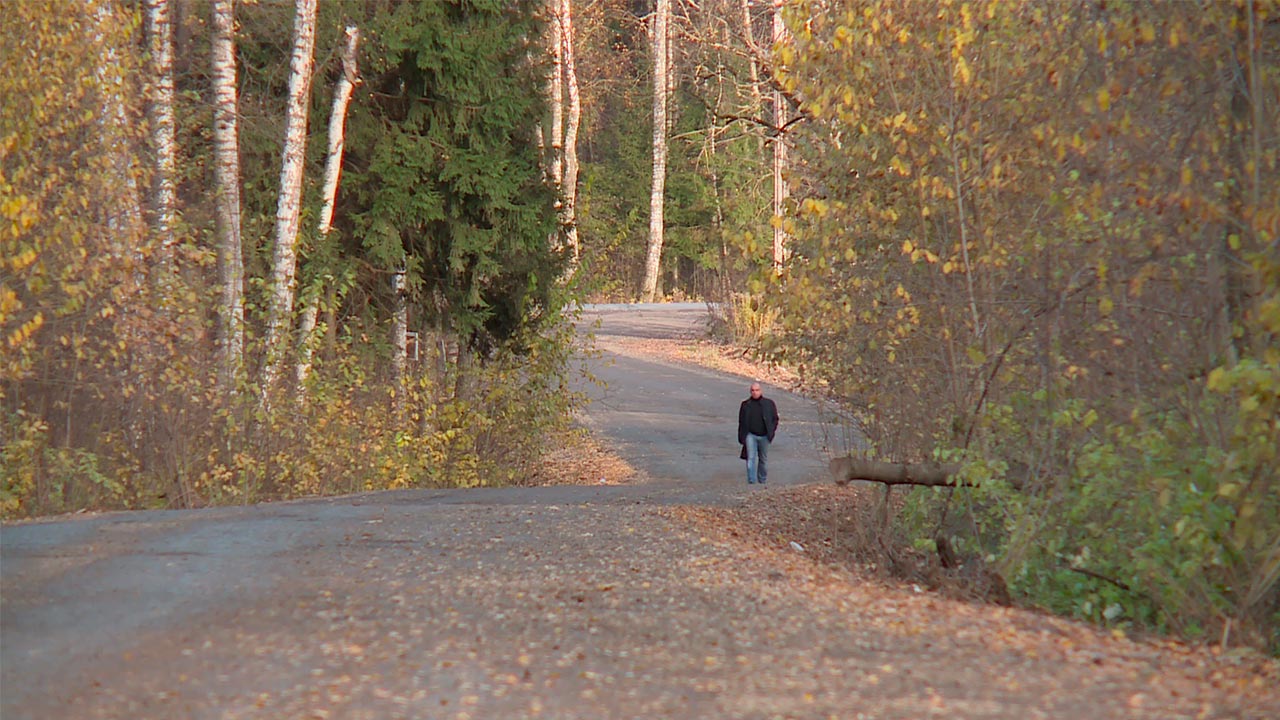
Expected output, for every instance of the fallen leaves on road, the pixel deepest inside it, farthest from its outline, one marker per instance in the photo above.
(577, 458)
(843, 560)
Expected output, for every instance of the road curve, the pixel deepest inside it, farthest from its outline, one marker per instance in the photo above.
(679, 422)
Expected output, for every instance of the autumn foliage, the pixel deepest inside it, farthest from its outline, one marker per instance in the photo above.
(112, 393)
(1040, 239)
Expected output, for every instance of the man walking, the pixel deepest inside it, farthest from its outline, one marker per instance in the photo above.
(757, 422)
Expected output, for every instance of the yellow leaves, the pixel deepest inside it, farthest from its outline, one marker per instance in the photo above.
(9, 303)
(815, 207)
(1105, 306)
(1147, 31)
(786, 55)
(23, 260)
(962, 70)
(21, 213)
(917, 253)
(23, 332)
(1104, 99)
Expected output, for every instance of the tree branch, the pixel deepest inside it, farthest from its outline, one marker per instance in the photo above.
(845, 469)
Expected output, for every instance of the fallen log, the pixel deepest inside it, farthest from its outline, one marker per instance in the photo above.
(844, 469)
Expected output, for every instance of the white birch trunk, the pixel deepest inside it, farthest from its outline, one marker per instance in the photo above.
(748, 37)
(779, 153)
(127, 215)
(226, 148)
(159, 31)
(400, 331)
(555, 91)
(338, 127)
(653, 258)
(570, 183)
(284, 265)
(332, 173)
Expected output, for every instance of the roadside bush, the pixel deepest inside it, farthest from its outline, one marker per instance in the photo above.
(1168, 522)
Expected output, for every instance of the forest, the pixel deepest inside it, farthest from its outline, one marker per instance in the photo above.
(265, 249)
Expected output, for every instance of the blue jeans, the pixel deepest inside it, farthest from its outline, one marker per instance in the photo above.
(757, 456)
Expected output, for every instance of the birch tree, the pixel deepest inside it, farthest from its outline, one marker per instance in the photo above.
(226, 172)
(159, 32)
(653, 258)
(779, 151)
(569, 184)
(284, 265)
(332, 173)
(555, 91)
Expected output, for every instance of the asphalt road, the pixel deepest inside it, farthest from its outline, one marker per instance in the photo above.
(98, 613)
(679, 422)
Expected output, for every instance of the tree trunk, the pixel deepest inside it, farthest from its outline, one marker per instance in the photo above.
(653, 259)
(307, 323)
(226, 171)
(332, 173)
(555, 91)
(845, 469)
(337, 127)
(779, 155)
(159, 31)
(748, 37)
(570, 185)
(284, 265)
(400, 333)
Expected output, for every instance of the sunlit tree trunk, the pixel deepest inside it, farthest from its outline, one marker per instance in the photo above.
(653, 259)
(226, 171)
(569, 185)
(284, 265)
(748, 37)
(779, 154)
(159, 31)
(400, 330)
(555, 92)
(332, 173)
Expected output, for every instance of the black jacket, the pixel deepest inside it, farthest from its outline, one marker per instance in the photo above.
(770, 418)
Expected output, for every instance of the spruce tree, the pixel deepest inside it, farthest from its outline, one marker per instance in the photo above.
(444, 165)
